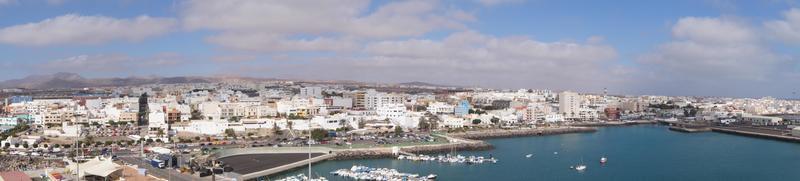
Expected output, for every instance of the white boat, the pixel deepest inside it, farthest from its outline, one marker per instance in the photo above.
(580, 167)
(603, 160)
(528, 155)
(555, 153)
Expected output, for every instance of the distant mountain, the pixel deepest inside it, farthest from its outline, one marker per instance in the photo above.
(72, 80)
(421, 84)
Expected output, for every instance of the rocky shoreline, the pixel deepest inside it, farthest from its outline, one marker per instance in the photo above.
(502, 133)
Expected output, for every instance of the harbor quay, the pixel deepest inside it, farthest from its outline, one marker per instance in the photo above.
(756, 132)
(253, 163)
(503, 133)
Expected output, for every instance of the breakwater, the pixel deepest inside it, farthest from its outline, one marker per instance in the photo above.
(773, 136)
(503, 133)
(689, 129)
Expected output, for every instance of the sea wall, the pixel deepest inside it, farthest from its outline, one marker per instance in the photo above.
(502, 133)
(613, 123)
(376, 153)
(757, 134)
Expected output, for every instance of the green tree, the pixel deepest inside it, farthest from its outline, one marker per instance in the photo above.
(230, 133)
(476, 121)
(361, 124)
(89, 139)
(495, 120)
(318, 134)
(398, 130)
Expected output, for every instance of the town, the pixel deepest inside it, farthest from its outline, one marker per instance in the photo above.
(48, 133)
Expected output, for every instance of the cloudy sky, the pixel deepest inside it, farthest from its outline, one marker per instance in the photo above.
(671, 47)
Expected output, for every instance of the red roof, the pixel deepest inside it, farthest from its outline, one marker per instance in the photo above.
(14, 176)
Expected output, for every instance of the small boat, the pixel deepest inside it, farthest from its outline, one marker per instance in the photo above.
(580, 167)
(528, 155)
(555, 153)
(432, 177)
(603, 160)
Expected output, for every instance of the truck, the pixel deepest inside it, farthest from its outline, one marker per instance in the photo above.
(158, 163)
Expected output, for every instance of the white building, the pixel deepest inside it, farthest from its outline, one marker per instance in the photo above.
(440, 108)
(569, 104)
(311, 92)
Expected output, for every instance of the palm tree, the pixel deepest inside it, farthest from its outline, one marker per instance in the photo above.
(89, 139)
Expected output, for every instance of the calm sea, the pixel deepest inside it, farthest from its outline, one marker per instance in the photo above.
(646, 152)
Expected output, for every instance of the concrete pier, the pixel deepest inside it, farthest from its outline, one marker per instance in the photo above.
(762, 134)
(689, 129)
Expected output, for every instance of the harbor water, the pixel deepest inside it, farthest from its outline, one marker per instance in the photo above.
(644, 152)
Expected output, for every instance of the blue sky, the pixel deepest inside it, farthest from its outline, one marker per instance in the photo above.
(677, 47)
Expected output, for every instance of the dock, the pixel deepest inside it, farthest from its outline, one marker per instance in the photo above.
(690, 129)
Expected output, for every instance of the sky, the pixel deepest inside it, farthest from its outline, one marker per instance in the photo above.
(671, 47)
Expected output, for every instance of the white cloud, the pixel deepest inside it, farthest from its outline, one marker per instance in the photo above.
(111, 63)
(788, 29)
(309, 25)
(709, 55)
(496, 2)
(6, 2)
(713, 31)
(266, 42)
(56, 2)
(77, 29)
(465, 58)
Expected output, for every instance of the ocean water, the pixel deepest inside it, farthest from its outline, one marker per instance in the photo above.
(644, 152)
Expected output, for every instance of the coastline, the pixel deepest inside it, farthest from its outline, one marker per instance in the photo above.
(502, 133)
(614, 123)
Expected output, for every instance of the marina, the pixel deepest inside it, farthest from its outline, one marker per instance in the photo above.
(301, 177)
(380, 174)
(627, 158)
(449, 159)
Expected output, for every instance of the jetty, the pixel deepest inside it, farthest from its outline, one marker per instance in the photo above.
(757, 132)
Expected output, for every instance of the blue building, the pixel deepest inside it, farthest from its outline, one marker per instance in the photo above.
(462, 109)
(18, 99)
